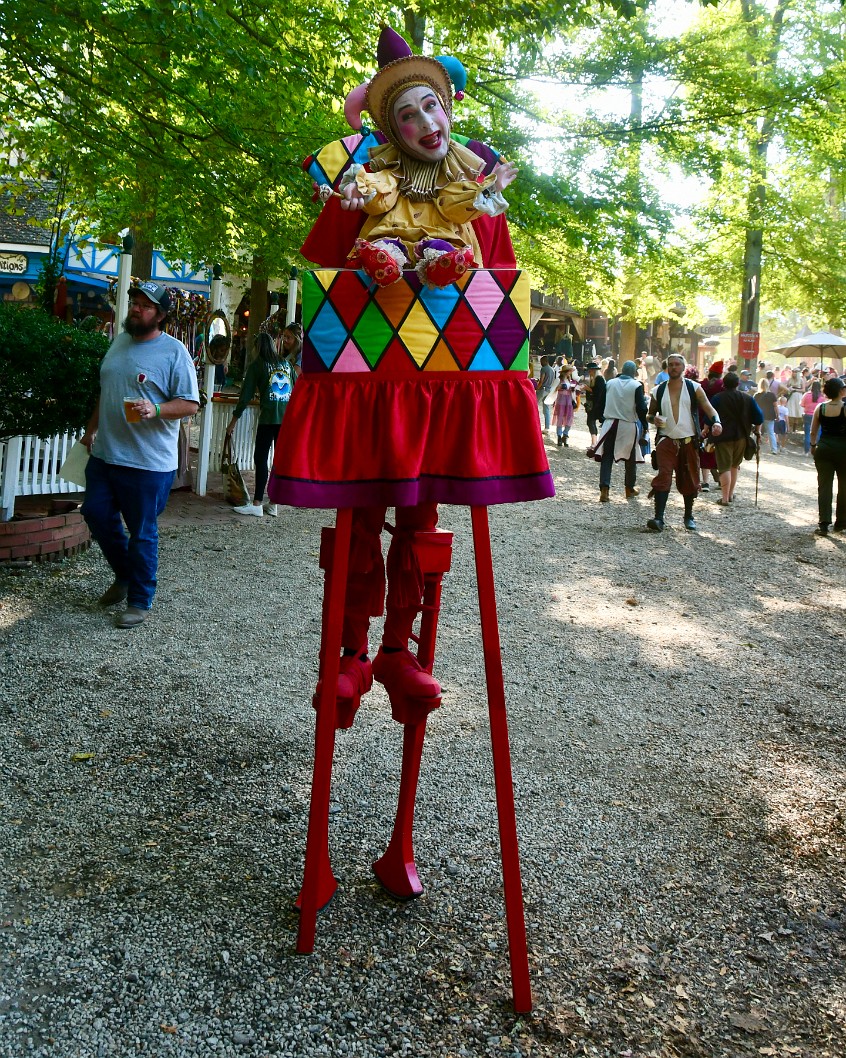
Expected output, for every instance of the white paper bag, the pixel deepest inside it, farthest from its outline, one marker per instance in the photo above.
(73, 468)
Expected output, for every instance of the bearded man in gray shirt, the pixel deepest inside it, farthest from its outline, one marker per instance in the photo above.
(147, 384)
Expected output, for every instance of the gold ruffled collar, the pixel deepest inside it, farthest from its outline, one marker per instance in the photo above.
(422, 181)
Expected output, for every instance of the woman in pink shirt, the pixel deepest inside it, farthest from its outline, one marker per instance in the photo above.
(811, 400)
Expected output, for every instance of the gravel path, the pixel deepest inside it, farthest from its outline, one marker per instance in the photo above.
(678, 751)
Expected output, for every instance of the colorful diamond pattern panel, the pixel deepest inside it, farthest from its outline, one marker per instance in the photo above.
(328, 165)
(479, 323)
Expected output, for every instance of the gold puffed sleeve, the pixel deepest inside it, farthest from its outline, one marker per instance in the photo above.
(384, 187)
(457, 200)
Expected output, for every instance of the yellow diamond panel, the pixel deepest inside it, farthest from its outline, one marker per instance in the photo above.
(324, 276)
(418, 334)
(521, 297)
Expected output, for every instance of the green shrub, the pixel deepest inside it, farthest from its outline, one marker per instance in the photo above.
(49, 373)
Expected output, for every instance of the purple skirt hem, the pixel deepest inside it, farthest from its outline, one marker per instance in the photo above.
(476, 493)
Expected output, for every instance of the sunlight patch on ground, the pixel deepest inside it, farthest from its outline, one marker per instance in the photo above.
(616, 608)
(724, 541)
(805, 804)
(827, 595)
(13, 610)
(783, 471)
(781, 604)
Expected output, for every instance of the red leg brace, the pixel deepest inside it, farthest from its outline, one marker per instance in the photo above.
(365, 598)
(396, 870)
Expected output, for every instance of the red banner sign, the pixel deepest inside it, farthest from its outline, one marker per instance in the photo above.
(748, 345)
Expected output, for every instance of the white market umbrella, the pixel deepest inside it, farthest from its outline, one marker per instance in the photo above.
(816, 346)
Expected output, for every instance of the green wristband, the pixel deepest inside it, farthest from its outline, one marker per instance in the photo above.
(158, 410)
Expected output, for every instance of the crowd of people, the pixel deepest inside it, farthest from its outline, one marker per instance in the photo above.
(703, 429)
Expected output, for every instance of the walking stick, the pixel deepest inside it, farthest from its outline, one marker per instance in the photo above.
(757, 468)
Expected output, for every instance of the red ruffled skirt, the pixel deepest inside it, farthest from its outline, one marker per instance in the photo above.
(359, 440)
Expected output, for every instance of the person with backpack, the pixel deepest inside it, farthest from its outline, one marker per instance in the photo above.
(272, 376)
(767, 401)
(622, 431)
(547, 387)
(594, 388)
(673, 409)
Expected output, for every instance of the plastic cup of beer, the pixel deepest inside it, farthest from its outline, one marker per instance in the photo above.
(130, 411)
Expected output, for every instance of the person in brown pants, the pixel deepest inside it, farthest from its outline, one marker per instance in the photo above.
(673, 410)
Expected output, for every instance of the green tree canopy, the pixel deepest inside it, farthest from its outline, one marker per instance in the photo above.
(189, 121)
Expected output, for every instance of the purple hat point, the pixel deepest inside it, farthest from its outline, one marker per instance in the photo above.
(391, 47)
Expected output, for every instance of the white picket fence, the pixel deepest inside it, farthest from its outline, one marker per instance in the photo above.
(29, 466)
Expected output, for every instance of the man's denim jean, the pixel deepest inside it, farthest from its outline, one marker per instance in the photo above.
(140, 496)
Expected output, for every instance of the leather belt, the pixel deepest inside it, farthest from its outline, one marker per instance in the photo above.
(679, 440)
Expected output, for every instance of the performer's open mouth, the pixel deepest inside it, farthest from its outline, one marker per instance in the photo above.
(432, 142)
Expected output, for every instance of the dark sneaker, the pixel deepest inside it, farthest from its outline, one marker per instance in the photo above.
(821, 530)
(114, 595)
(655, 524)
(690, 524)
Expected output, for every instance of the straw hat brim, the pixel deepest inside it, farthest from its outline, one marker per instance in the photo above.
(403, 73)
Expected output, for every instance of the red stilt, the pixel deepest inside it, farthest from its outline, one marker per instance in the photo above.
(396, 870)
(319, 882)
(520, 983)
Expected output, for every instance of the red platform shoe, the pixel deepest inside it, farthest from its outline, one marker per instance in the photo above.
(412, 690)
(355, 678)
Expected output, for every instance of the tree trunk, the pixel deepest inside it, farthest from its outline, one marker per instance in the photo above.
(628, 341)
(415, 28)
(142, 253)
(758, 146)
(143, 226)
(628, 327)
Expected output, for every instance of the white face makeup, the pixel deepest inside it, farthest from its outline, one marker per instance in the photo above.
(421, 124)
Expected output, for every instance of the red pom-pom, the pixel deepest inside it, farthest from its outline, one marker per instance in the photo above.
(459, 95)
